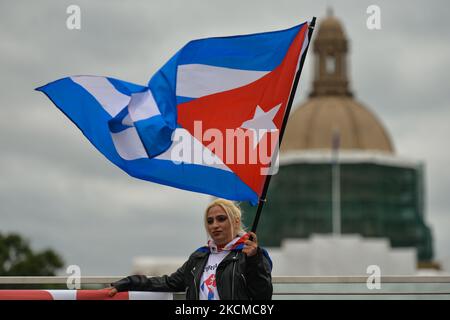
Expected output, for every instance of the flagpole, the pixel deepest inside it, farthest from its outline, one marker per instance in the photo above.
(336, 184)
(262, 199)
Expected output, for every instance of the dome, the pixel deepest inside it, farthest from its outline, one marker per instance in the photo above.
(330, 28)
(312, 125)
(331, 107)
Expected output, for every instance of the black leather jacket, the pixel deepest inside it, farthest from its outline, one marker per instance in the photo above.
(238, 277)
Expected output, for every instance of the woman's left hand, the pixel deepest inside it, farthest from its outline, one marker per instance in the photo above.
(251, 246)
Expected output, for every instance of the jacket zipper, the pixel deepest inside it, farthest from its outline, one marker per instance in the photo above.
(232, 277)
(245, 280)
(195, 284)
(245, 285)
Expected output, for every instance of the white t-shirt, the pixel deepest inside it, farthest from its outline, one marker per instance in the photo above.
(208, 286)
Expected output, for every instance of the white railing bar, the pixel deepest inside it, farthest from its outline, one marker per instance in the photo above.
(368, 293)
(360, 279)
(275, 280)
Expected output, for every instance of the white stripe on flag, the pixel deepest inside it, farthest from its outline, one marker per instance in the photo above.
(112, 100)
(198, 80)
(187, 149)
(142, 106)
(128, 144)
(302, 51)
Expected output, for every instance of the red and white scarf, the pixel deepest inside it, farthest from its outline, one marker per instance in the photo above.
(235, 244)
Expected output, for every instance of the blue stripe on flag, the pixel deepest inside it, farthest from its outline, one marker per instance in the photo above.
(125, 87)
(90, 117)
(154, 134)
(181, 99)
(162, 85)
(85, 112)
(259, 52)
(193, 177)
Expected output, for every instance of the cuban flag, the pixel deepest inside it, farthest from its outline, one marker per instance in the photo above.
(207, 121)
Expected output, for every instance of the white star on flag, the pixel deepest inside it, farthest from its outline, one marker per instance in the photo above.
(261, 123)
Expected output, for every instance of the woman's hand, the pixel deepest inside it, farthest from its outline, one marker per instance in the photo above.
(112, 291)
(251, 246)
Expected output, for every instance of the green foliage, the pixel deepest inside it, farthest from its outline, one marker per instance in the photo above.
(18, 259)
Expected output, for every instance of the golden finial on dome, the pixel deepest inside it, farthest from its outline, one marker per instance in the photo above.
(329, 11)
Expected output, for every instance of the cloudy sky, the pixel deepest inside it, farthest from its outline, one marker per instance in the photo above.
(59, 192)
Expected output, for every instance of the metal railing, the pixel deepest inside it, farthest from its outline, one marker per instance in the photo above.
(300, 287)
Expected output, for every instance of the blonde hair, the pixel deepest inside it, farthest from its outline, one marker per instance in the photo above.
(233, 212)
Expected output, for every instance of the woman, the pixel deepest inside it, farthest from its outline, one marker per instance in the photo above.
(232, 265)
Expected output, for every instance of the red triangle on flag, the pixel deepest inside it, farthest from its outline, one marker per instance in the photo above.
(235, 111)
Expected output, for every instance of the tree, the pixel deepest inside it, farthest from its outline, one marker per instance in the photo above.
(17, 258)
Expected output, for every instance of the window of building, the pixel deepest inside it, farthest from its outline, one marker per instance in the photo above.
(330, 64)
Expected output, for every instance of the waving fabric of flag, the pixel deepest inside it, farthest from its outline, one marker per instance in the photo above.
(207, 121)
